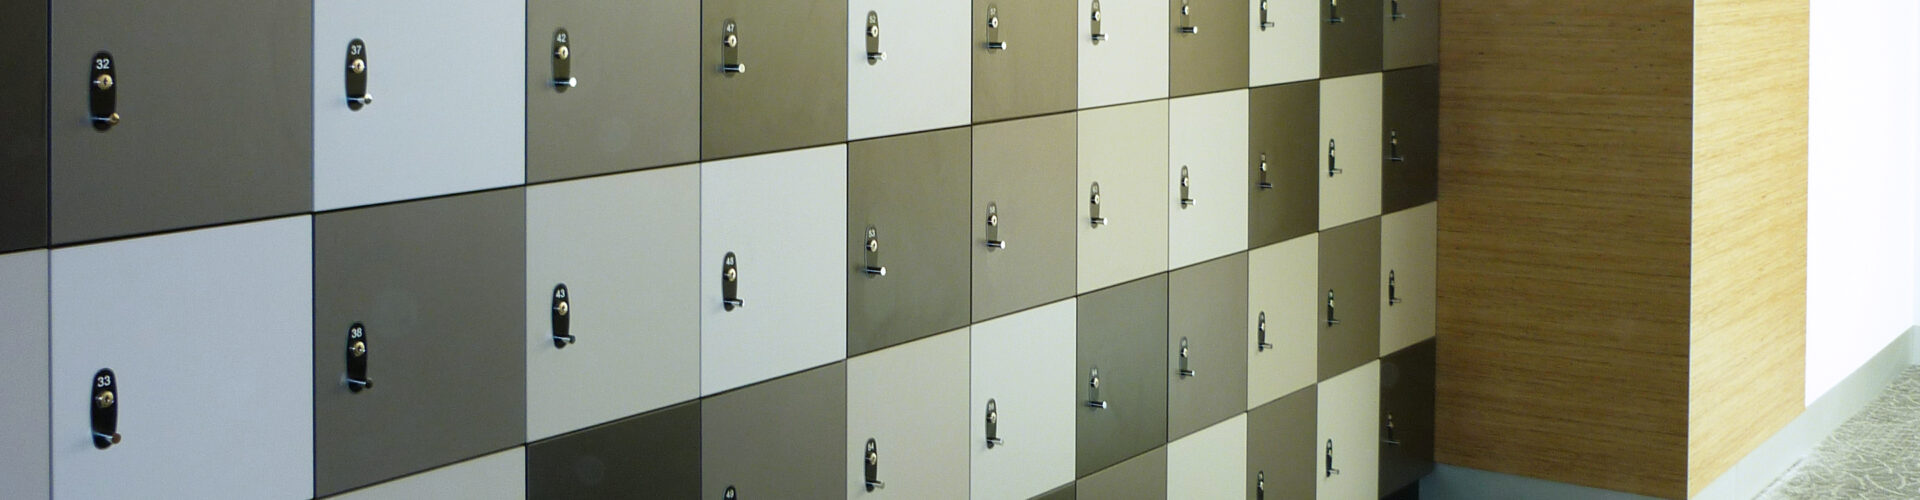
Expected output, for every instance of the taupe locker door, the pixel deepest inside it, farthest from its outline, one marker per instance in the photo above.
(908, 66)
(1348, 301)
(1406, 416)
(1283, 41)
(1122, 376)
(419, 356)
(417, 98)
(1283, 318)
(1123, 183)
(907, 420)
(1142, 477)
(24, 444)
(1283, 166)
(23, 135)
(1023, 58)
(1351, 147)
(1349, 37)
(1024, 402)
(499, 476)
(611, 86)
(908, 278)
(181, 364)
(1411, 31)
(656, 455)
(1209, 462)
(773, 75)
(1206, 344)
(1208, 46)
(1283, 458)
(1408, 279)
(784, 438)
(1410, 123)
(174, 114)
(1023, 214)
(610, 297)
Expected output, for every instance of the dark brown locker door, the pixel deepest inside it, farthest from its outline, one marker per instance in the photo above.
(909, 278)
(784, 438)
(1350, 37)
(1025, 58)
(1410, 115)
(1406, 416)
(1123, 345)
(778, 81)
(23, 134)
(1349, 297)
(654, 455)
(1207, 49)
(1283, 162)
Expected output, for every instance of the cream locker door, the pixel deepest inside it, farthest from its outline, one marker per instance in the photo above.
(1209, 464)
(1349, 444)
(1023, 374)
(1282, 303)
(908, 66)
(1123, 51)
(1350, 149)
(1284, 41)
(1407, 253)
(1123, 151)
(1207, 177)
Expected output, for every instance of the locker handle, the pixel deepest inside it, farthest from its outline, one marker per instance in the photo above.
(874, 55)
(1260, 482)
(1098, 34)
(562, 306)
(1261, 327)
(1333, 12)
(1396, 11)
(873, 467)
(1330, 319)
(993, 425)
(1393, 293)
(1093, 398)
(357, 95)
(730, 283)
(357, 358)
(1393, 146)
(1264, 23)
(1185, 354)
(1330, 470)
(1093, 203)
(730, 49)
(1186, 18)
(994, 42)
(873, 267)
(1332, 164)
(563, 62)
(102, 93)
(993, 228)
(729, 494)
(1389, 439)
(1264, 183)
(105, 410)
(1186, 184)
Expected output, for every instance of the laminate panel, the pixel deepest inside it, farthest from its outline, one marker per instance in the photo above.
(630, 98)
(500, 476)
(1143, 477)
(23, 135)
(25, 469)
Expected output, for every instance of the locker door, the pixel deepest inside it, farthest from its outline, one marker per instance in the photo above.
(451, 109)
(424, 299)
(780, 439)
(1348, 441)
(1407, 277)
(1207, 209)
(1406, 416)
(1283, 458)
(1206, 349)
(1282, 318)
(1350, 41)
(1023, 214)
(1122, 339)
(1208, 46)
(1283, 175)
(1023, 58)
(908, 66)
(1209, 463)
(1123, 151)
(23, 136)
(1349, 149)
(1061, 493)
(500, 476)
(1125, 59)
(1283, 41)
(772, 297)
(1411, 123)
(907, 420)
(623, 94)
(1347, 303)
(1143, 477)
(795, 94)
(169, 79)
(193, 345)
(1411, 33)
(621, 253)
(913, 191)
(1024, 392)
(656, 454)
(23, 360)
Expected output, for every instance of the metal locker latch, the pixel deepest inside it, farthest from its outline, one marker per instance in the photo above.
(357, 358)
(105, 410)
(993, 227)
(1332, 164)
(102, 93)
(994, 41)
(874, 55)
(730, 283)
(1333, 12)
(1093, 397)
(562, 333)
(1393, 294)
(730, 49)
(1330, 319)
(1186, 185)
(993, 425)
(1093, 208)
(1393, 146)
(1098, 35)
(1389, 439)
(730, 494)
(562, 62)
(1264, 23)
(1186, 18)
(1185, 354)
(873, 467)
(1330, 470)
(873, 253)
(1264, 183)
(357, 96)
(1396, 11)
(1261, 327)
(1260, 482)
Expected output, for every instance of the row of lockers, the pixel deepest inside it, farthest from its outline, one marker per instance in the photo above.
(249, 110)
(251, 355)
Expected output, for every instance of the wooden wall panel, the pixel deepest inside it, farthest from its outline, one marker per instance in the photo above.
(1564, 246)
(1749, 298)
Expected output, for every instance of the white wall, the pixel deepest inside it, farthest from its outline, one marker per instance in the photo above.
(1862, 208)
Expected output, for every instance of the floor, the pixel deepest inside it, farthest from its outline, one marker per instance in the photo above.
(1874, 455)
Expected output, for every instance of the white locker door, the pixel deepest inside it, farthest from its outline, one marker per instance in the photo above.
(921, 79)
(1207, 177)
(1023, 366)
(1123, 150)
(1349, 444)
(1289, 49)
(1125, 60)
(910, 400)
(1210, 463)
(1407, 278)
(23, 361)
(1350, 149)
(1281, 285)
